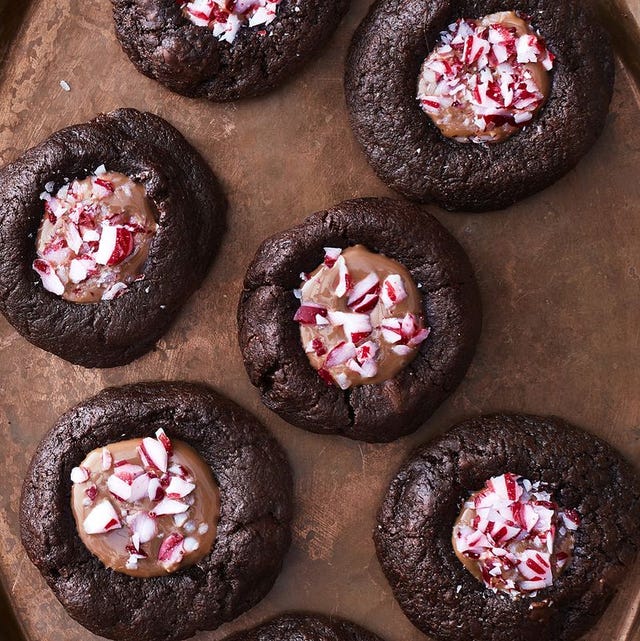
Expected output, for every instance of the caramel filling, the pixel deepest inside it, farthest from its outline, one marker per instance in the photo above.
(512, 537)
(94, 237)
(486, 79)
(146, 507)
(360, 317)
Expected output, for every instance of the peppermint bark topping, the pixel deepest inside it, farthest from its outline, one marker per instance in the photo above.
(94, 237)
(226, 17)
(486, 78)
(360, 317)
(145, 507)
(512, 536)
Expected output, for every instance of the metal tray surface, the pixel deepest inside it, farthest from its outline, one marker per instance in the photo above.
(559, 275)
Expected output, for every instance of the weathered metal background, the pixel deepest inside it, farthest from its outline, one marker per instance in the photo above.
(559, 274)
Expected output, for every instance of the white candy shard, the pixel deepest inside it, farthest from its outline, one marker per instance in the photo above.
(79, 475)
(170, 506)
(102, 518)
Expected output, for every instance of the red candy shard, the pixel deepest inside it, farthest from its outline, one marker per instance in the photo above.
(368, 285)
(178, 488)
(366, 304)
(123, 247)
(171, 551)
(307, 314)
(126, 471)
(106, 184)
(170, 506)
(345, 282)
(325, 375)
(161, 435)
(155, 491)
(139, 488)
(318, 347)
(331, 255)
(340, 354)
(119, 488)
(392, 290)
(154, 454)
(107, 459)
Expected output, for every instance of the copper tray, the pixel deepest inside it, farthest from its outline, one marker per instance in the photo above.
(559, 274)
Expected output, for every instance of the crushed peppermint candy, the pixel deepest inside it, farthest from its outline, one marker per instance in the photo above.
(94, 237)
(145, 504)
(360, 317)
(486, 78)
(513, 537)
(226, 17)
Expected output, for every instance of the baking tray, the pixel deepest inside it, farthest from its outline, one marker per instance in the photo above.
(559, 275)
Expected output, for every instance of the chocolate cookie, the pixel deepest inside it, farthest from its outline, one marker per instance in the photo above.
(253, 530)
(161, 265)
(204, 49)
(448, 302)
(567, 469)
(305, 627)
(410, 153)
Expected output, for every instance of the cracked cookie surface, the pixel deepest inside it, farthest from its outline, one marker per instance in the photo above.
(270, 340)
(413, 537)
(253, 531)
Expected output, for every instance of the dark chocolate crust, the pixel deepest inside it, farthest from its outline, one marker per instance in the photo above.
(305, 627)
(191, 212)
(415, 523)
(253, 533)
(410, 154)
(163, 44)
(270, 339)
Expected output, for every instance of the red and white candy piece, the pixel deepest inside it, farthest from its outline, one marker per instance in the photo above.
(331, 255)
(80, 475)
(170, 506)
(340, 354)
(356, 326)
(155, 491)
(178, 488)
(311, 314)
(119, 488)
(102, 518)
(139, 488)
(345, 283)
(392, 291)
(107, 459)
(171, 551)
(50, 280)
(127, 471)
(153, 454)
(506, 487)
(144, 527)
(161, 435)
(369, 285)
